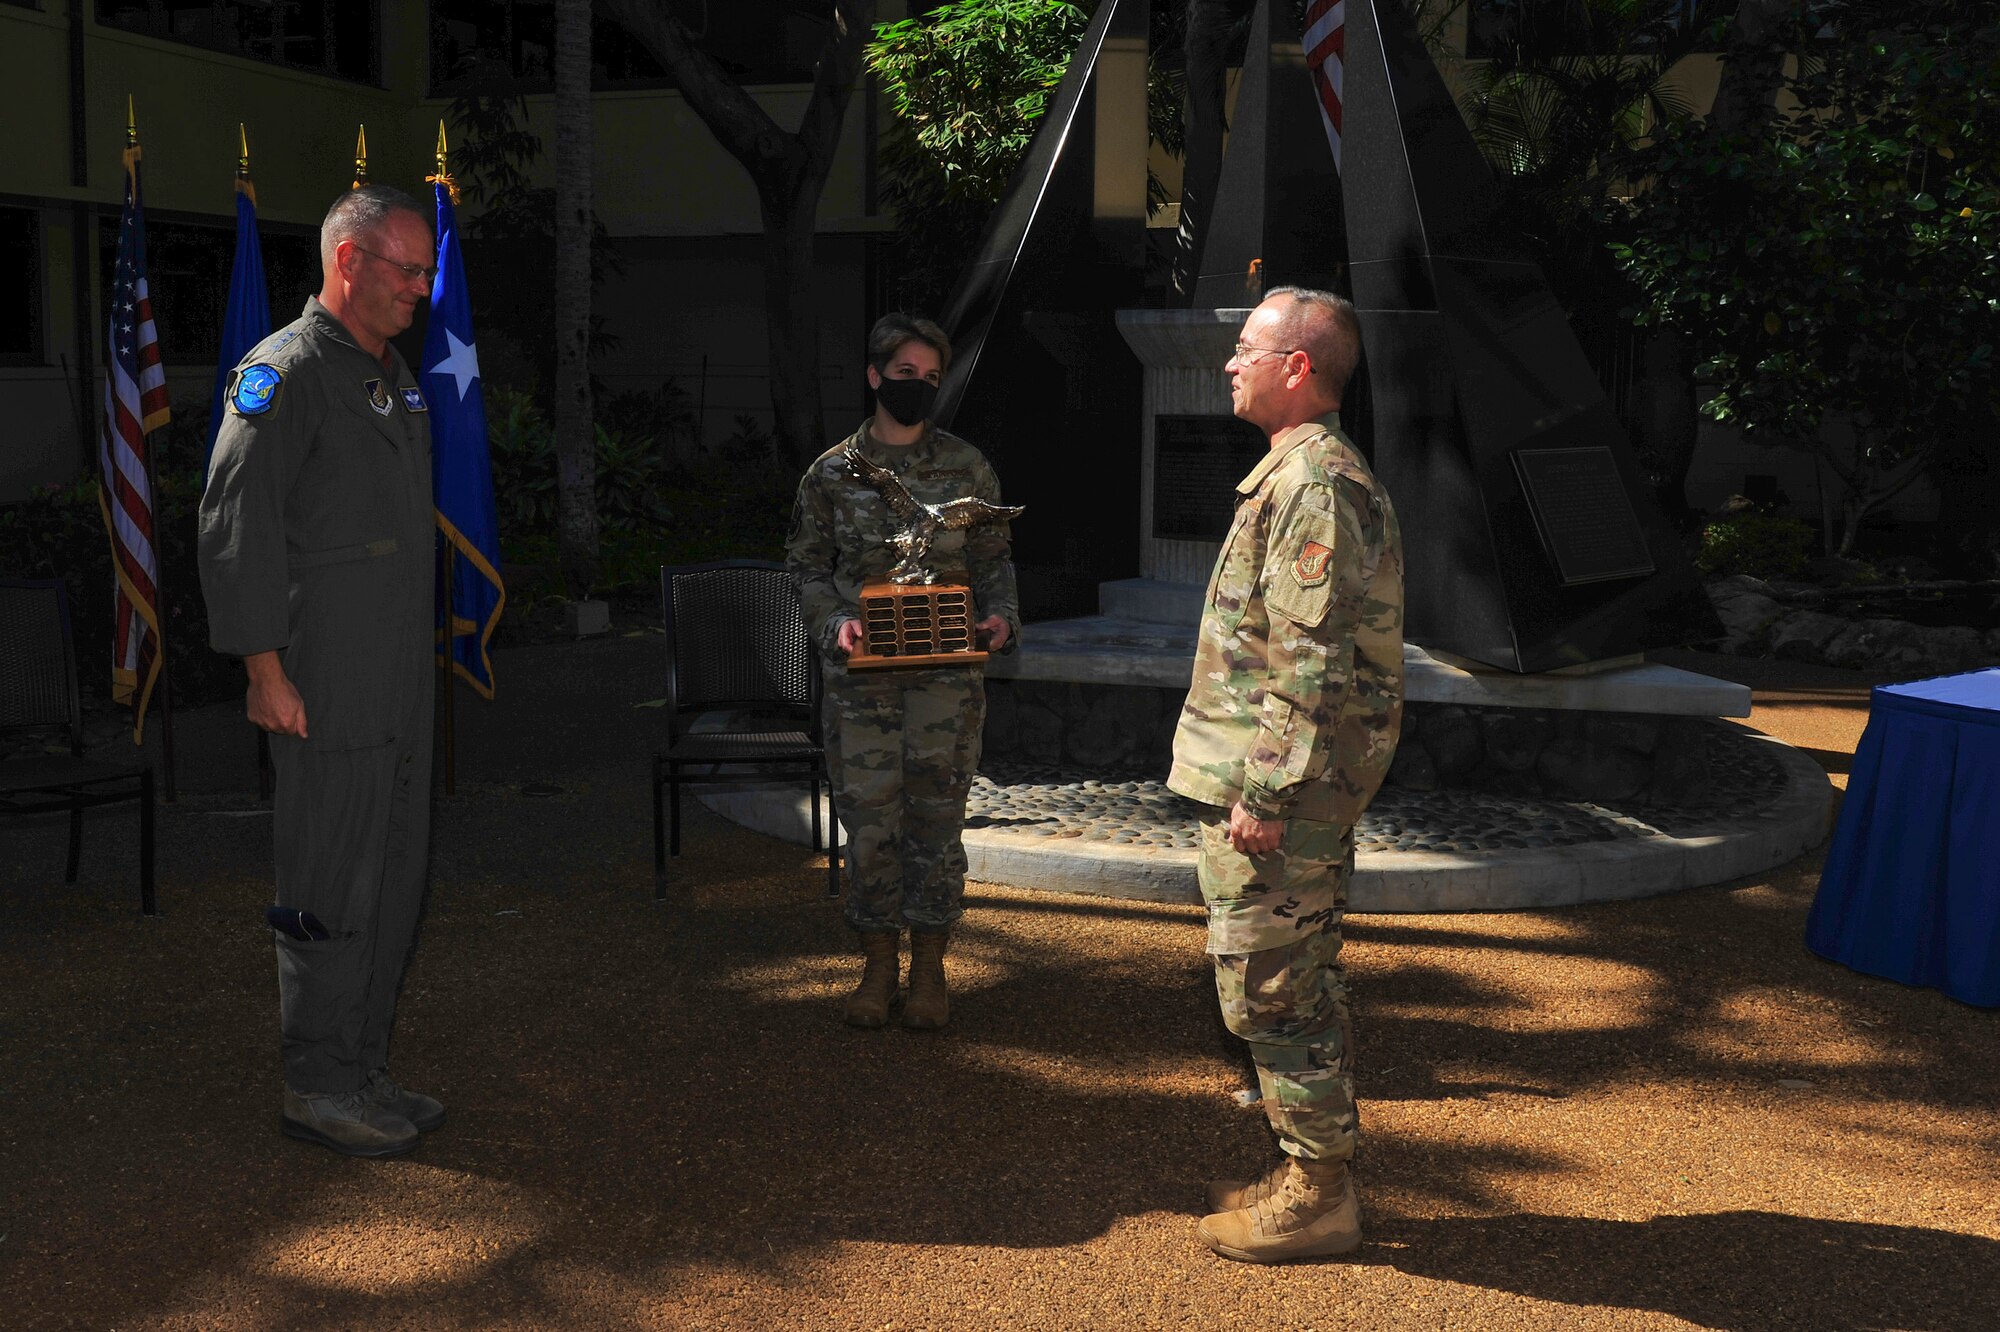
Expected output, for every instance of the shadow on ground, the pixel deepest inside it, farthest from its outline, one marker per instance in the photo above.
(643, 1095)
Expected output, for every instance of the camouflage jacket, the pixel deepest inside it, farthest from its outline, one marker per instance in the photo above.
(840, 530)
(1297, 696)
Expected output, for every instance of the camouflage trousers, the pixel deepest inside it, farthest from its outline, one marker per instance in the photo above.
(1274, 935)
(902, 747)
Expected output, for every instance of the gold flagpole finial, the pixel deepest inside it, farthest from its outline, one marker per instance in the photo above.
(243, 183)
(360, 159)
(443, 177)
(132, 153)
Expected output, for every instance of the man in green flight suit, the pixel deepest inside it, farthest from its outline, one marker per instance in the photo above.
(1290, 722)
(316, 548)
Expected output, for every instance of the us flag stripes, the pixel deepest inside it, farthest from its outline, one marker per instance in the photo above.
(1326, 50)
(135, 404)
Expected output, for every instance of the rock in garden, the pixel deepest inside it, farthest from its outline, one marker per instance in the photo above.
(1584, 770)
(1803, 635)
(1413, 769)
(1747, 611)
(1455, 741)
(1516, 737)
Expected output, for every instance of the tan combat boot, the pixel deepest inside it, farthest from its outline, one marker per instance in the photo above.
(1226, 1195)
(868, 1006)
(1312, 1213)
(929, 1004)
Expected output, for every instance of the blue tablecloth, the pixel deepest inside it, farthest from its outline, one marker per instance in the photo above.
(1911, 888)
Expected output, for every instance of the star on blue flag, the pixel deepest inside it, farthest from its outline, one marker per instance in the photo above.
(461, 467)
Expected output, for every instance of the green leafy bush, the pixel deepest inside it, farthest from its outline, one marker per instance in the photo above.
(1755, 544)
(632, 475)
(59, 533)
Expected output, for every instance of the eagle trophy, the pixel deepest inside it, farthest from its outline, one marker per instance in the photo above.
(922, 522)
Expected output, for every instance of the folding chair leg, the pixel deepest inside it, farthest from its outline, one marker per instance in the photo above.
(832, 845)
(813, 800)
(75, 841)
(659, 837)
(674, 808)
(148, 902)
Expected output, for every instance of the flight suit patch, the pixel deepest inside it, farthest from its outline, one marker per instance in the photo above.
(256, 389)
(378, 397)
(413, 400)
(1310, 569)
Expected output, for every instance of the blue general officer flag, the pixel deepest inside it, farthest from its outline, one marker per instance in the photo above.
(248, 320)
(461, 469)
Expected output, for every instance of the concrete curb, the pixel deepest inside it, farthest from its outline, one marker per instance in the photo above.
(1402, 881)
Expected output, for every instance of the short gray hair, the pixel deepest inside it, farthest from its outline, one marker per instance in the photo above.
(1325, 327)
(358, 213)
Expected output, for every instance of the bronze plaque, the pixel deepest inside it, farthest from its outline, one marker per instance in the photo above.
(915, 624)
(1583, 515)
(1197, 463)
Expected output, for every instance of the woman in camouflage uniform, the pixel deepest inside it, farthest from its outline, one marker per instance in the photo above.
(902, 744)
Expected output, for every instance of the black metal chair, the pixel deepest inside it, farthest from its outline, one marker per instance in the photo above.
(38, 692)
(737, 643)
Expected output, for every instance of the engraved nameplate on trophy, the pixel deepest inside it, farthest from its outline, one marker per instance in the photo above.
(923, 624)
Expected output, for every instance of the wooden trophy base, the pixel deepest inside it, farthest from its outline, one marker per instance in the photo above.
(916, 624)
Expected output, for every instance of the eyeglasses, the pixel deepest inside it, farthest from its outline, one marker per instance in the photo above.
(429, 275)
(1244, 353)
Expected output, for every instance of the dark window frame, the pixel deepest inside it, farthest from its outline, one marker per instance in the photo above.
(150, 21)
(516, 82)
(176, 349)
(34, 303)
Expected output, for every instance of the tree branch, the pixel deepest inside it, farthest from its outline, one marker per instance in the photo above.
(732, 115)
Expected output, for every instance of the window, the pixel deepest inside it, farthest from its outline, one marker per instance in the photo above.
(337, 37)
(21, 287)
(515, 41)
(1558, 30)
(187, 276)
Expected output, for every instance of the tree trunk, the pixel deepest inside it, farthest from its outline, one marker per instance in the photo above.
(575, 431)
(789, 170)
(1664, 417)
(1754, 65)
(791, 316)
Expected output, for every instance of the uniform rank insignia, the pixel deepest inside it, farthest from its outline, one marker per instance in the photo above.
(378, 397)
(1311, 566)
(256, 389)
(413, 400)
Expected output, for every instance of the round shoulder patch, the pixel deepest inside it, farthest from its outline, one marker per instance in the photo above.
(256, 389)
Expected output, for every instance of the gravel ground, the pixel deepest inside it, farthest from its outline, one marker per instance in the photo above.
(1654, 1114)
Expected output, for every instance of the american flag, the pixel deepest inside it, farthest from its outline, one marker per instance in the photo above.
(135, 404)
(1326, 46)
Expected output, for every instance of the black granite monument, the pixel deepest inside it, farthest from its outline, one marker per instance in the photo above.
(1040, 378)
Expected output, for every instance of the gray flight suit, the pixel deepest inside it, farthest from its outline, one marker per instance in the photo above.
(317, 541)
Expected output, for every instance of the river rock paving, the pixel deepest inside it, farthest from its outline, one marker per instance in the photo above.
(1137, 809)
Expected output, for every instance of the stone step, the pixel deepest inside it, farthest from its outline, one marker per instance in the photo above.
(1416, 852)
(1103, 649)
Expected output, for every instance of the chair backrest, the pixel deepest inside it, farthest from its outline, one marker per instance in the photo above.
(37, 659)
(735, 638)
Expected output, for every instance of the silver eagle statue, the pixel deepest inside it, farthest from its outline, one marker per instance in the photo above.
(922, 522)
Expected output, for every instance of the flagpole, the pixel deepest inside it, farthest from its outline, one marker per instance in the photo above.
(450, 671)
(450, 603)
(160, 583)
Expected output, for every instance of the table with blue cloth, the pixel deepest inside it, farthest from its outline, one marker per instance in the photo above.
(1911, 889)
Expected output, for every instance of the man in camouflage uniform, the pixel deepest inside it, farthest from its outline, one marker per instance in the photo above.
(902, 744)
(1289, 726)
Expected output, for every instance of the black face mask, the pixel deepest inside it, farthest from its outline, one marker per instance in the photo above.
(907, 400)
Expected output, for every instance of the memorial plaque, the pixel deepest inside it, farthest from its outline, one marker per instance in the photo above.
(1583, 515)
(1197, 463)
